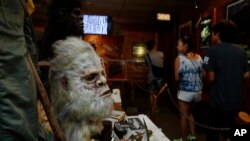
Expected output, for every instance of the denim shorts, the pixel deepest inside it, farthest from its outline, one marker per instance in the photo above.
(189, 96)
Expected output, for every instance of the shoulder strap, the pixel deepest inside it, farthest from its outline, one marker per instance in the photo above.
(149, 59)
(181, 57)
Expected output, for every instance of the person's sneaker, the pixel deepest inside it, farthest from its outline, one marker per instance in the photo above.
(191, 138)
(180, 139)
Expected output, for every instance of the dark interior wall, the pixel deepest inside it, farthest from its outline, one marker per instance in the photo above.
(204, 7)
(166, 44)
(241, 16)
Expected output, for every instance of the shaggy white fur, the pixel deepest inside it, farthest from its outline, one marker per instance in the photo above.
(80, 95)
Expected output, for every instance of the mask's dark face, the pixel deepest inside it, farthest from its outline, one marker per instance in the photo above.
(72, 23)
(64, 19)
(76, 15)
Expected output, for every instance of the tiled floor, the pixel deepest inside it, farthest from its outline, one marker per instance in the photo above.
(168, 116)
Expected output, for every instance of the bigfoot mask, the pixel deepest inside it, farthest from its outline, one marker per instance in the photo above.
(80, 95)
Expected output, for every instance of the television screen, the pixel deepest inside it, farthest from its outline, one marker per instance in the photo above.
(96, 24)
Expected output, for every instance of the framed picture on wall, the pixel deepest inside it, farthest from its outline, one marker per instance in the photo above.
(205, 32)
(238, 12)
(139, 50)
(185, 28)
(234, 8)
(116, 70)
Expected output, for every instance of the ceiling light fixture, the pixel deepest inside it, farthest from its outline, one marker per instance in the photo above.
(163, 17)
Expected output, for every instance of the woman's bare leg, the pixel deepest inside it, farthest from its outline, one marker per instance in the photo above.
(184, 111)
(191, 122)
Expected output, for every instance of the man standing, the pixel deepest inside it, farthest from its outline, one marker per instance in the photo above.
(226, 66)
(154, 58)
(155, 63)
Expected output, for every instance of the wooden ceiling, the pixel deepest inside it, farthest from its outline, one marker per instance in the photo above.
(122, 11)
(138, 11)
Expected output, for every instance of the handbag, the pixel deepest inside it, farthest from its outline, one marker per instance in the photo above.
(157, 71)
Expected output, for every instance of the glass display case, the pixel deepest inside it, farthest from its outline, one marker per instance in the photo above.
(116, 70)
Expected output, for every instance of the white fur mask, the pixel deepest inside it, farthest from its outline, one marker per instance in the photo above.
(80, 95)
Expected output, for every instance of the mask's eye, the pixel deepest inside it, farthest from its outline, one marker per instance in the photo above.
(76, 13)
(91, 77)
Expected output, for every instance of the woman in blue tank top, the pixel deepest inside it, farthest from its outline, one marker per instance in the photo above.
(188, 73)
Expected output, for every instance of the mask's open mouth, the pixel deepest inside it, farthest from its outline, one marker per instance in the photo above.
(81, 24)
(106, 94)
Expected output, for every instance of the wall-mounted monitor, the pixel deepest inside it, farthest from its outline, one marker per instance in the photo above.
(97, 24)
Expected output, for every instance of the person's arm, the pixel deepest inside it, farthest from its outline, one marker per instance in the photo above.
(146, 60)
(246, 67)
(246, 74)
(210, 75)
(203, 72)
(209, 65)
(176, 68)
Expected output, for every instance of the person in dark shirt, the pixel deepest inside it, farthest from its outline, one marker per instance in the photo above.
(226, 66)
